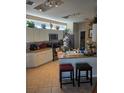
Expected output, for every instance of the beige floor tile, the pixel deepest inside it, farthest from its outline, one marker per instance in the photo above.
(44, 90)
(30, 90)
(45, 79)
(56, 90)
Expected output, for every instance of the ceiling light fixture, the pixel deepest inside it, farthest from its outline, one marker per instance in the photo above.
(33, 3)
(40, 9)
(48, 4)
(71, 15)
(56, 4)
(52, 2)
(28, 2)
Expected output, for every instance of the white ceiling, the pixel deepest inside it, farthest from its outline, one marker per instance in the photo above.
(87, 8)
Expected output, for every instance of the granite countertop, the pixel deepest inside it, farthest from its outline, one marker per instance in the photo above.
(76, 56)
(40, 50)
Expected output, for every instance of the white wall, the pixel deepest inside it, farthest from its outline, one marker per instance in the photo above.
(76, 35)
(82, 26)
(35, 35)
(94, 32)
(70, 26)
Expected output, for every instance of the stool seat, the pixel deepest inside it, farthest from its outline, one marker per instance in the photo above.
(83, 66)
(66, 67)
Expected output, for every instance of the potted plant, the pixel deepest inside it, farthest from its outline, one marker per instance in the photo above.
(66, 32)
(51, 25)
(57, 27)
(30, 24)
(43, 26)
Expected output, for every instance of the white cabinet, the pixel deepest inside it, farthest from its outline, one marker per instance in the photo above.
(39, 57)
(30, 59)
(43, 35)
(29, 35)
(36, 35)
(47, 57)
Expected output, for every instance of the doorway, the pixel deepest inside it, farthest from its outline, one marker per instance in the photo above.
(82, 39)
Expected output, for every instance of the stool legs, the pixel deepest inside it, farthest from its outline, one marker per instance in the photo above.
(60, 79)
(78, 78)
(76, 74)
(87, 74)
(79, 75)
(71, 75)
(91, 77)
(73, 78)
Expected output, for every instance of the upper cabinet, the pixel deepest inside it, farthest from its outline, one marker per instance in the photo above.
(43, 35)
(29, 34)
(36, 35)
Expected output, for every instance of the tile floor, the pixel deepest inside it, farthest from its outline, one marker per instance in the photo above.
(45, 79)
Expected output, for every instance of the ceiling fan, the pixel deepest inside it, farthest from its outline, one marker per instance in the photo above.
(29, 2)
(71, 15)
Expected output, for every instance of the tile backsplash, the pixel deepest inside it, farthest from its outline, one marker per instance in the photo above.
(37, 43)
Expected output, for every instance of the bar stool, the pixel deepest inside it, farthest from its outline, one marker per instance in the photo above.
(67, 68)
(83, 67)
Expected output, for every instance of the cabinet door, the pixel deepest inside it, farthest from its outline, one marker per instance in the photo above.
(40, 58)
(43, 57)
(30, 60)
(36, 36)
(49, 57)
(29, 35)
(43, 35)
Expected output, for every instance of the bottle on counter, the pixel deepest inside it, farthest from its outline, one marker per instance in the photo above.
(85, 51)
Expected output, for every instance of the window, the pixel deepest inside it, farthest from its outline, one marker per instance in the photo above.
(38, 24)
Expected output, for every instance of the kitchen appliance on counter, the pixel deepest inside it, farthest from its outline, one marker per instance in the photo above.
(33, 47)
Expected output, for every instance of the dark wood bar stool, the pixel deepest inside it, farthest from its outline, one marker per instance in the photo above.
(83, 67)
(67, 68)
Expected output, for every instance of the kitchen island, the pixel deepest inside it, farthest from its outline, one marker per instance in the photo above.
(79, 58)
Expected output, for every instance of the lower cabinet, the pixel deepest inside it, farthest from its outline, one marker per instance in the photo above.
(30, 60)
(38, 58)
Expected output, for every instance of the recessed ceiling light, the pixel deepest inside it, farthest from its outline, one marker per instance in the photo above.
(50, 5)
(56, 5)
(40, 9)
(33, 3)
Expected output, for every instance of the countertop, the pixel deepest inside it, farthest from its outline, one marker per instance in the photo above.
(40, 50)
(76, 56)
